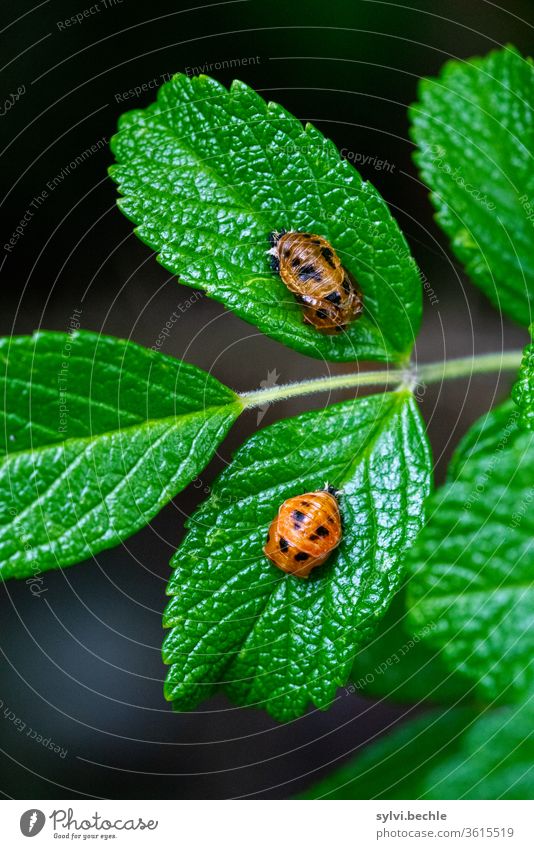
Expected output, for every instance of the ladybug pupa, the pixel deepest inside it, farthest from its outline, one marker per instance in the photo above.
(305, 532)
(311, 269)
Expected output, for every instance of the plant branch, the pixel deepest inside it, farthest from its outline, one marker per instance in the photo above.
(469, 366)
(406, 378)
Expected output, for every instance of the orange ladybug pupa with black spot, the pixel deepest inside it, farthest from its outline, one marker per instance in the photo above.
(310, 268)
(305, 532)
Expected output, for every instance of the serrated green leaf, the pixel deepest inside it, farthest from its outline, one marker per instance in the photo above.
(475, 131)
(523, 391)
(97, 435)
(398, 665)
(456, 755)
(273, 640)
(473, 562)
(207, 174)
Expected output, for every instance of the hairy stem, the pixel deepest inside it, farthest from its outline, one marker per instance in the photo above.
(397, 378)
(468, 366)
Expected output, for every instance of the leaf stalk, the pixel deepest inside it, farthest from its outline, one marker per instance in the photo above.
(406, 378)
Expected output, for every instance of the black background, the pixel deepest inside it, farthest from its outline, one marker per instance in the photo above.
(81, 663)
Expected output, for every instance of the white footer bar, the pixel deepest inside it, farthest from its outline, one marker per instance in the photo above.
(268, 824)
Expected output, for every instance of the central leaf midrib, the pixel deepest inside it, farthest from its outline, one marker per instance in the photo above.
(44, 546)
(145, 424)
(79, 337)
(398, 399)
(89, 401)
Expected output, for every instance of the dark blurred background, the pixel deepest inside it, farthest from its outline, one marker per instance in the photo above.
(81, 663)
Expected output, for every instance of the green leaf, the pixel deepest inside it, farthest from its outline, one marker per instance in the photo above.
(273, 640)
(472, 564)
(523, 391)
(207, 174)
(495, 759)
(474, 128)
(395, 766)
(97, 435)
(398, 664)
(455, 755)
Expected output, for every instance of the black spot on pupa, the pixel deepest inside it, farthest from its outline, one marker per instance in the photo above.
(321, 313)
(322, 531)
(313, 537)
(268, 537)
(287, 251)
(309, 272)
(284, 545)
(295, 262)
(347, 288)
(306, 235)
(297, 516)
(334, 298)
(316, 241)
(301, 556)
(304, 503)
(328, 255)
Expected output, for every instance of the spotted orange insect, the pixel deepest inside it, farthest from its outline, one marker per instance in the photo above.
(310, 268)
(305, 532)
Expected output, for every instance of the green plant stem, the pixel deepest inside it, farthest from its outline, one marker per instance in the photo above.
(400, 378)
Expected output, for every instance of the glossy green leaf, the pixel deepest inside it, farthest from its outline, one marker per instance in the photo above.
(523, 391)
(473, 562)
(207, 174)
(271, 639)
(97, 435)
(473, 126)
(398, 665)
(455, 755)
